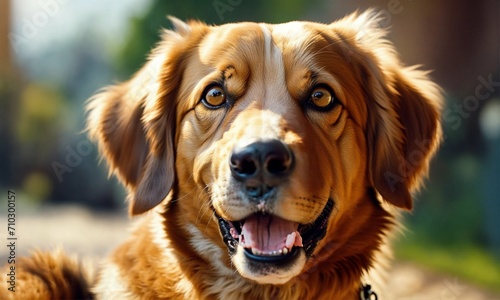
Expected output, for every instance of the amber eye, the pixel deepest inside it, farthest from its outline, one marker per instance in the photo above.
(322, 98)
(214, 97)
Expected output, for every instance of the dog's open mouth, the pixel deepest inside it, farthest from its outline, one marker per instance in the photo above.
(269, 238)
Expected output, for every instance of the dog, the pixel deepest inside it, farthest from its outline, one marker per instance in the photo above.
(266, 162)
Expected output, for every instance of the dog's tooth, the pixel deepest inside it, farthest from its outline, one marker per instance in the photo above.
(234, 233)
(279, 252)
(268, 253)
(256, 251)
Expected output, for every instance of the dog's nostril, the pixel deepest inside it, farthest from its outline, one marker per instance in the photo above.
(243, 166)
(247, 167)
(277, 165)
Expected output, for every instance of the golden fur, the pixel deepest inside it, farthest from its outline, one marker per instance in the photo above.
(49, 276)
(367, 153)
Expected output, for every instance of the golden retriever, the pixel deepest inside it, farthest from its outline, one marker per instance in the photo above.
(267, 162)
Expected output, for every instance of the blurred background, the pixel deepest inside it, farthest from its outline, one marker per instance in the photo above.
(54, 54)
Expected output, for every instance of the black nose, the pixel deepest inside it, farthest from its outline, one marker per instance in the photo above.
(261, 165)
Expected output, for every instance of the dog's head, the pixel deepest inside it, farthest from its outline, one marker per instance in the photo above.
(277, 142)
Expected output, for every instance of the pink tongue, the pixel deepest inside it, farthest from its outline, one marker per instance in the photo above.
(269, 233)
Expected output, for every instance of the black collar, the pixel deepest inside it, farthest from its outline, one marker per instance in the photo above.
(366, 293)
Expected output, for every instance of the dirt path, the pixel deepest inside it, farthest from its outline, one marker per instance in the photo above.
(93, 235)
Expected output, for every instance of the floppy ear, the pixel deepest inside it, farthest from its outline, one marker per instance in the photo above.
(405, 137)
(404, 105)
(134, 122)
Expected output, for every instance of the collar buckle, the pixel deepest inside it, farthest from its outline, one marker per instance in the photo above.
(366, 293)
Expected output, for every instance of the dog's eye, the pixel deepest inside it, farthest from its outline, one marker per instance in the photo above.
(322, 98)
(214, 97)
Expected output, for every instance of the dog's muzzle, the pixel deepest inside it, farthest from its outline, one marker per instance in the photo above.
(261, 167)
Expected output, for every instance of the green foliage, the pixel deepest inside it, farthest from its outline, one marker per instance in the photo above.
(40, 117)
(447, 229)
(144, 30)
(467, 261)
(37, 186)
(40, 113)
(452, 196)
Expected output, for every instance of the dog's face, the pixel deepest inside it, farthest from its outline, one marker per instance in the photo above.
(277, 142)
(272, 134)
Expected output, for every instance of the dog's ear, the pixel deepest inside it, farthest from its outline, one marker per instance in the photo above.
(404, 105)
(404, 133)
(134, 122)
